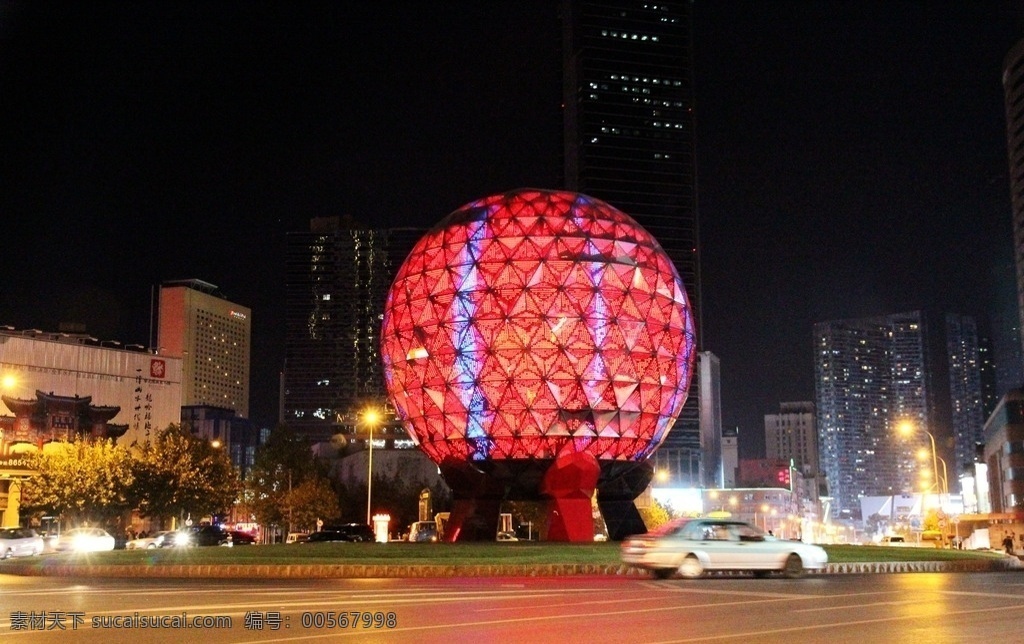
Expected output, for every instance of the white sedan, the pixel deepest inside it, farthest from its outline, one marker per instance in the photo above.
(19, 542)
(85, 540)
(691, 546)
(164, 539)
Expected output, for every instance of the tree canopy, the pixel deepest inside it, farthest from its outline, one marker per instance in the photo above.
(179, 473)
(288, 484)
(85, 481)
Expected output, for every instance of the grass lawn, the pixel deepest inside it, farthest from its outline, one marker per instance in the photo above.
(442, 554)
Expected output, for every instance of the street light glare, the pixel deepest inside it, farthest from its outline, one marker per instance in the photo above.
(371, 416)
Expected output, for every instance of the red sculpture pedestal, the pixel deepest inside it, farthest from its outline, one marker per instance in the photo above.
(569, 483)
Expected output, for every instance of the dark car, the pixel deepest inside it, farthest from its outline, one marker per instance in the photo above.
(355, 531)
(323, 536)
(350, 532)
(211, 535)
(240, 538)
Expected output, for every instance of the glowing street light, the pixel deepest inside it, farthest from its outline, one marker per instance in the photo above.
(907, 428)
(370, 417)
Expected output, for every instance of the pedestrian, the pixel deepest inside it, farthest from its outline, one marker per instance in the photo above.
(1008, 544)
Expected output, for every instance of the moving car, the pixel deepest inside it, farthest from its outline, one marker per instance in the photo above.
(692, 546)
(20, 542)
(164, 539)
(85, 540)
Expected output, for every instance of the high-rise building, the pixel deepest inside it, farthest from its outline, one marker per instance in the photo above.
(989, 370)
(212, 336)
(709, 371)
(1013, 90)
(338, 276)
(967, 411)
(629, 133)
(870, 375)
(792, 436)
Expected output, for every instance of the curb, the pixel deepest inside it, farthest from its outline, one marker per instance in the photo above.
(359, 571)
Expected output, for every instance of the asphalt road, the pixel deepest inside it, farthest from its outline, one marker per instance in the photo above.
(910, 607)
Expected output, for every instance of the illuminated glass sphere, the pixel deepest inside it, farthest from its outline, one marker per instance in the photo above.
(535, 324)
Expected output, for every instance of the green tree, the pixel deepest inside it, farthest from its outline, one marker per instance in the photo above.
(179, 473)
(85, 481)
(312, 499)
(281, 466)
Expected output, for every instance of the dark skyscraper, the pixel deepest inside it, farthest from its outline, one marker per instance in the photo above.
(338, 275)
(966, 391)
(629, 132)
(1013, 88)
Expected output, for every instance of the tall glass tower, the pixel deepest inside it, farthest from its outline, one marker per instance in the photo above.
(338, 276)
(629, 132)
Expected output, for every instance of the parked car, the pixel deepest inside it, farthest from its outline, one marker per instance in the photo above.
(507, 536)
(297, 537)
(239, 538)
(163, 539)
(423, 531)
(691, 546)
(210, 535)
(323, 536)
(357, 532)
(85, 540)
(20, 542)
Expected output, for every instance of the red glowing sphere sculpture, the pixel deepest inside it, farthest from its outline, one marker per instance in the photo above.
(537, 325)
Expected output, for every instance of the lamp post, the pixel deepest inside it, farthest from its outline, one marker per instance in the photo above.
(945, 478)
(370, 417)
(908, 427)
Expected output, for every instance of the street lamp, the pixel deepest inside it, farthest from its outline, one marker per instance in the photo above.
(906, 428)
(370, 417)
(941, 482)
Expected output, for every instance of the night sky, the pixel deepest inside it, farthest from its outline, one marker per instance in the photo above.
(852, 157)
